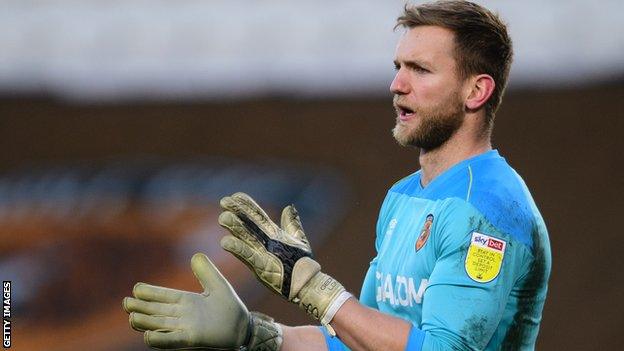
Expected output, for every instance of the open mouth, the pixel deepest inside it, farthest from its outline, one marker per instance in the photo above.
(404, 112)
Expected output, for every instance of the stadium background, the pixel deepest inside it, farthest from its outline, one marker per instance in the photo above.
(114, 158)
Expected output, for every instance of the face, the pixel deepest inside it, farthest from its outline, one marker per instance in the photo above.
(426, 88)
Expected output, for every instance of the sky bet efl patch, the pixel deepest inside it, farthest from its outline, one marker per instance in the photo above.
(484, 258)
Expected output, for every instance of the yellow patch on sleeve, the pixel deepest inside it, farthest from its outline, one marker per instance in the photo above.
(484, 258)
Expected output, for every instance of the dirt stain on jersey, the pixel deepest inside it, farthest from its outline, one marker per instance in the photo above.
(529, 310)
(475, 330)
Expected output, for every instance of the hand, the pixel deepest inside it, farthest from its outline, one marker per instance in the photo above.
(214, 320)
(280, 257)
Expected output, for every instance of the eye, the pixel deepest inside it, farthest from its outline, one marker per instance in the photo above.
(397, 66)
(420, 69)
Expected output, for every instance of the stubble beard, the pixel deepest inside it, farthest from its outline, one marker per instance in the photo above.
(436, 126)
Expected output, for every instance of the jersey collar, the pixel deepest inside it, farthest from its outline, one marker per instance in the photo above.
(441, 178)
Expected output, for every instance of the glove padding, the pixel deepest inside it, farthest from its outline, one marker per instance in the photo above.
(214, 320)
(280, 256)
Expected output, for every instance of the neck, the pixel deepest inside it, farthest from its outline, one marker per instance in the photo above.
(459, 147)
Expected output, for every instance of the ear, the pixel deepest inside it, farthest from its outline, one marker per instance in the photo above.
(481, 88)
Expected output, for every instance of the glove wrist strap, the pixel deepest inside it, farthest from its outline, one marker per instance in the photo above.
(335, 306)
(333, 309)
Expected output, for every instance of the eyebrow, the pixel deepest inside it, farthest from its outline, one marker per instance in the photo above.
(412, 64)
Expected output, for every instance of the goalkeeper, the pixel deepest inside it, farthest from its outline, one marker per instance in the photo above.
(463, 256)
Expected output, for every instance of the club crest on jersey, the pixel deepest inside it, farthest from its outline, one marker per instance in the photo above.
(485, 257)
(425, 232)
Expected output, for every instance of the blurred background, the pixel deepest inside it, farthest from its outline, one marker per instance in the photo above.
(122, 123)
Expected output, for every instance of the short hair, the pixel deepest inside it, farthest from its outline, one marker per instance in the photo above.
(482, 44)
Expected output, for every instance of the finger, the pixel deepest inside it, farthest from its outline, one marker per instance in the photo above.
(131, 304)
(239, 249)
(155, 293)
(291, 223)
(253, 236)
(268, 271)
(244, 206)
(207, 273)
(142, 322)
(242, 202)
(166, 340)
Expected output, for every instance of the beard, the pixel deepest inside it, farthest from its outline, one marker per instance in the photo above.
(436, 125)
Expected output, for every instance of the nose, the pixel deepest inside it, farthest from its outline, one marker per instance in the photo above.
(399, 85)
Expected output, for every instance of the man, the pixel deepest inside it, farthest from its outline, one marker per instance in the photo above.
(463, 256)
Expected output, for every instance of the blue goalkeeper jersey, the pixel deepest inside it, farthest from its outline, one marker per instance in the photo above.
(465, 259)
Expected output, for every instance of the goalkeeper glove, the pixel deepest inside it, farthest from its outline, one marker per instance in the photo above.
(214, 320)
(280, 257)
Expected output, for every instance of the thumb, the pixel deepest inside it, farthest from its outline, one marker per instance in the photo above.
(207, 273)
(291, 223)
